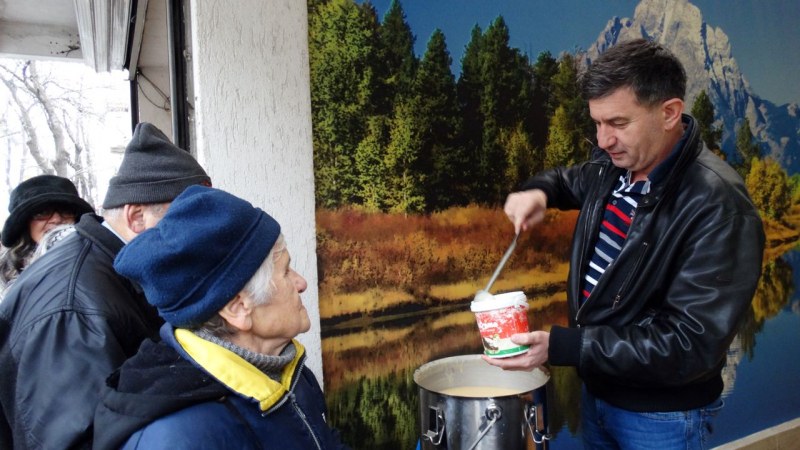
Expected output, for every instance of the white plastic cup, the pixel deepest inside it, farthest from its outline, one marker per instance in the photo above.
(499, 317)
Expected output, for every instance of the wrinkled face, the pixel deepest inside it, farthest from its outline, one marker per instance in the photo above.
(48, 218)
(283, 316)
(633, 135)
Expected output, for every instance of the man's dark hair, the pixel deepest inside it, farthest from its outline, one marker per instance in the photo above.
(650, 70)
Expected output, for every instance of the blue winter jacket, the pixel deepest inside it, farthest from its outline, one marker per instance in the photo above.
(188, 393)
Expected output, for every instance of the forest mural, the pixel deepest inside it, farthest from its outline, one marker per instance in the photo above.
(412, 164)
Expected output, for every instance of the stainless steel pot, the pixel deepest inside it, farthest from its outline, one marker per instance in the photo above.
(509, 421)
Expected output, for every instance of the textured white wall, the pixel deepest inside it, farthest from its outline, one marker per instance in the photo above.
(253, 121)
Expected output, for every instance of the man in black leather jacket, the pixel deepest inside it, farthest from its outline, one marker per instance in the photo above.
(665, 260)
(70, 319)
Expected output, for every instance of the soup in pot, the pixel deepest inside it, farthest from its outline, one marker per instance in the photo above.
(479, 391)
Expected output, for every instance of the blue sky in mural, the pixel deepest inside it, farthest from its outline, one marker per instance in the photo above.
(764, 35)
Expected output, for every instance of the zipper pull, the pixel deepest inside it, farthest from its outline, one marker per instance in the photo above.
(297, 406)
(616, 301)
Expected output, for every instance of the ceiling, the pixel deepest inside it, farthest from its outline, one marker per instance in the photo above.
(95, 31)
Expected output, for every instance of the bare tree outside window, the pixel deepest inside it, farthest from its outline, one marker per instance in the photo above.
(61, 118)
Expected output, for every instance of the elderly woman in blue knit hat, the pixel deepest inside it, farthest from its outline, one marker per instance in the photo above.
(228, 372)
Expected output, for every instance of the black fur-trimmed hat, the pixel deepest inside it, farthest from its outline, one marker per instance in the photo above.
(33, 195)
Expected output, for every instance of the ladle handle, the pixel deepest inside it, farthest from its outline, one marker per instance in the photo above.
(502, 263)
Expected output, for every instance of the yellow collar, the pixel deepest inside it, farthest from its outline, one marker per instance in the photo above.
(234, 372)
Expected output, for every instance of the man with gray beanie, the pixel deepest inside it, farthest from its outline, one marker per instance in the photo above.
(228, 372)
(70, 319)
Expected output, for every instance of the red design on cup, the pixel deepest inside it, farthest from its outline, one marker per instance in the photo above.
(498, 318)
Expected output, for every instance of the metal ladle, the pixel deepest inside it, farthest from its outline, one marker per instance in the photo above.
(484, 294)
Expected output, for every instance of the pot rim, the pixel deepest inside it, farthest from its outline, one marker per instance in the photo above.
(471, 370)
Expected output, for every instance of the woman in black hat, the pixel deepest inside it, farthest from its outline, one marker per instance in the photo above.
(36, 206)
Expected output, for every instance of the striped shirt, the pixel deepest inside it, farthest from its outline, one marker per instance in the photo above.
(617, 219)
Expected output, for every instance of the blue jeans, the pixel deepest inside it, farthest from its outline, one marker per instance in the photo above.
(609, 427)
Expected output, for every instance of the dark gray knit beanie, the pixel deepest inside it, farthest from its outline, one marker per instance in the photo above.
(153, 170)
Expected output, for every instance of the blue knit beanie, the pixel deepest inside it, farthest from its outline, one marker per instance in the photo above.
(200, 255)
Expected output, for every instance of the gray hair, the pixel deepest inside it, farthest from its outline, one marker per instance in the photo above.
(156, 209)
(260, 288)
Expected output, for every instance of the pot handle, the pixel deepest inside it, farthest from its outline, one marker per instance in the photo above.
(535, 415)
(435, 418)
(493, 414)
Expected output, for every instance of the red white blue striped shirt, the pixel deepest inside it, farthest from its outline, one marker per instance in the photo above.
(619, 213)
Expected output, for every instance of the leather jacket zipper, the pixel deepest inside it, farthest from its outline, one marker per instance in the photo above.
(635, 271)
(629, 279)
(592, 219)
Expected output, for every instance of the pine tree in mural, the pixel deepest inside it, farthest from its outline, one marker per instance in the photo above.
(703, 112)
(495, 92)
(371, 166)
(442, 156)
(505, 99)
(560, 149)
(395, 63)
(542, 108)
(468, 89)
(341, 49)
(746, 148)
(521, 157)
(575, 125)
(405, 184)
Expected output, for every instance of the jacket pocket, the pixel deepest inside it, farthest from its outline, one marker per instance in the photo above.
(629, 279)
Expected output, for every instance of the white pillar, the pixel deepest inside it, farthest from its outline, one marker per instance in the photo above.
(252, 111)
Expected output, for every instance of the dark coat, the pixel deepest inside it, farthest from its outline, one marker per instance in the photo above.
(654, 333)
(65, 325)
(163, 399)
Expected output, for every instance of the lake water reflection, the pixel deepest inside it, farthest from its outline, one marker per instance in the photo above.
(373, 400)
